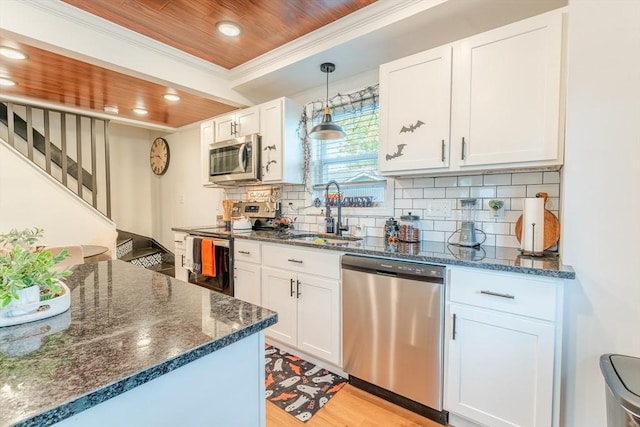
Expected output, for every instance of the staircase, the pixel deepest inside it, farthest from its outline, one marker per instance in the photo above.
(144, 252)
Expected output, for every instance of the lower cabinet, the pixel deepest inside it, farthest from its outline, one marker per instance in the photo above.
(308, 305)
(246, 271)
(181, 273)
(503, 350)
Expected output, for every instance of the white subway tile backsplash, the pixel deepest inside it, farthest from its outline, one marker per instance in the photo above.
(497, 179)
(446, 181)
(512, 191)
(424, 182)
(526, 178)
(457, 193)
(414, 194)
(551, 178)
(434, 193)
(482, 192)
(552, 189)
(470, 181)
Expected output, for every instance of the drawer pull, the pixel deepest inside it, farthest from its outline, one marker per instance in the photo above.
(244, 252)
(497, 294)
(298, 261)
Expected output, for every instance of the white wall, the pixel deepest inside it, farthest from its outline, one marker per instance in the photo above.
(601, 191)
(178, 197)
(30, 198)
(130, 178)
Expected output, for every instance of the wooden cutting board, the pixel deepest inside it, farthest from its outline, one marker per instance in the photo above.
(551, 226)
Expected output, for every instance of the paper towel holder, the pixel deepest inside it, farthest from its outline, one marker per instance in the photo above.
(534, 252)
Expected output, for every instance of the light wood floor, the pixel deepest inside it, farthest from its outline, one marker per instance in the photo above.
(352, 407)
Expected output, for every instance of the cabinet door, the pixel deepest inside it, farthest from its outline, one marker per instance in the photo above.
(247, 121)
(506, 102)
(272, 139)
(246, 282)
(225, 127)
(500, 368)
(206, 139)
(319, 324)
(415, 105)
(278, 294)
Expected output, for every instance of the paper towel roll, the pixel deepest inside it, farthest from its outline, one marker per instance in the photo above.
(533, 213)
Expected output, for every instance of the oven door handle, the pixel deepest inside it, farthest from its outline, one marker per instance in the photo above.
(223, 243)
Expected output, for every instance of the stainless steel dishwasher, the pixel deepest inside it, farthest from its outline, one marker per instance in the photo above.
(393, 328)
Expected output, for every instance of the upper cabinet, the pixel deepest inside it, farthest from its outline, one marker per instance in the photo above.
(506, 103)
(280, 144)
(239, 123)
(415, 104)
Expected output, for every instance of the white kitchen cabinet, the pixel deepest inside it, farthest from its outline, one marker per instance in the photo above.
(206, 139)
(308, 303)
(503, 348)
(281, 154)
(506, 99)
(497, 95)
(247, 271)
(181, 273)
(237, 124)
(415, 104)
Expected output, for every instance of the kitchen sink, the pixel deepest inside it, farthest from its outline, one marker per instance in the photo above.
(323, 239)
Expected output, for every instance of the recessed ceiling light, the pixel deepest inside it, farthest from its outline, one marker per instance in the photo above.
(9, 52)
(228, 28)
(111, 109)
(171, 97)
(7, 82)
(140, 111)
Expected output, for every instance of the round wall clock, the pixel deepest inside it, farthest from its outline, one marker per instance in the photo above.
(159, 157)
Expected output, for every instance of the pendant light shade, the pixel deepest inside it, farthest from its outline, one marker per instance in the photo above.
(327, 129)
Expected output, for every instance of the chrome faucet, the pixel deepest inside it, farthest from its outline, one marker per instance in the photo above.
(338, 228)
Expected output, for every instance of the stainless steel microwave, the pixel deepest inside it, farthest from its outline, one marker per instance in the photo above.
(235, 160)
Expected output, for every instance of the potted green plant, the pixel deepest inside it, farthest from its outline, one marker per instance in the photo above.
(28, 276)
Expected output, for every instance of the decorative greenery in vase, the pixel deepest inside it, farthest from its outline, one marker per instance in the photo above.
(24, 264)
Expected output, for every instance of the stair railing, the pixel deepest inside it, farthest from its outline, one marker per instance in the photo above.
(47, 138)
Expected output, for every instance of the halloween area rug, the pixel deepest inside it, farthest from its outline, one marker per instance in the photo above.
(297, 386)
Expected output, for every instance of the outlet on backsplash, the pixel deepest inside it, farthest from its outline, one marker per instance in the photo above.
(438, 208)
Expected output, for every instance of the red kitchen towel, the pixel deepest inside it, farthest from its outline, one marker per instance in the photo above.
(208, 258)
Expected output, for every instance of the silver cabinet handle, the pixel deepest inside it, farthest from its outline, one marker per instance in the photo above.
(443, 151)
(298, 289)
(244, 252)
(498, 294)
(453, 328)
(298, 261)
(463, 146)
(291, 287)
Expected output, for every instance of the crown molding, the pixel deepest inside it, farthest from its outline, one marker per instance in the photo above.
(352, 26)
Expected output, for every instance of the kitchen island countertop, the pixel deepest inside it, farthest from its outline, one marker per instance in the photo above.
(126, 326)
(486, 257)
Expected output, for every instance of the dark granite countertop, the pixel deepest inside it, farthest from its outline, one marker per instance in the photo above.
(127, 325)
(486, 257)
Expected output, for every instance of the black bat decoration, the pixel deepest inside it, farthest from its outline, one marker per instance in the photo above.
(269, 164)
(398, 152)
(411, 128)
(269, 147)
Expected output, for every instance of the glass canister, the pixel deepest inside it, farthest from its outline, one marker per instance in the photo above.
(409, 230)
(390, 229)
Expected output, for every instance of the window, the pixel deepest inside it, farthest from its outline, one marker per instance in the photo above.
(352, 161)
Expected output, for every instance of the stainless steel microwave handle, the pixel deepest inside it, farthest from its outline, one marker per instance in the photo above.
(242, 156)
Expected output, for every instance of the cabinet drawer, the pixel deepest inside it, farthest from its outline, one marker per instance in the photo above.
(244, 250)
(295, 258)
(179, 239)
(510, 293)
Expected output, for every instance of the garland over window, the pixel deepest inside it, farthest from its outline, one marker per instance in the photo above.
(352, 161)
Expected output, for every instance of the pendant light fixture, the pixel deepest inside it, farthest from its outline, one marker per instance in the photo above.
(327, 129)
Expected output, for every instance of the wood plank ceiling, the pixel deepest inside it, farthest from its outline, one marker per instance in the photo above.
(188, 25)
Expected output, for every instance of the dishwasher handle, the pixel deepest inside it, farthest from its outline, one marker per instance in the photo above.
(386, 273)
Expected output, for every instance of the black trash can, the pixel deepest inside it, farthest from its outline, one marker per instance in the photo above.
(622, 376)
